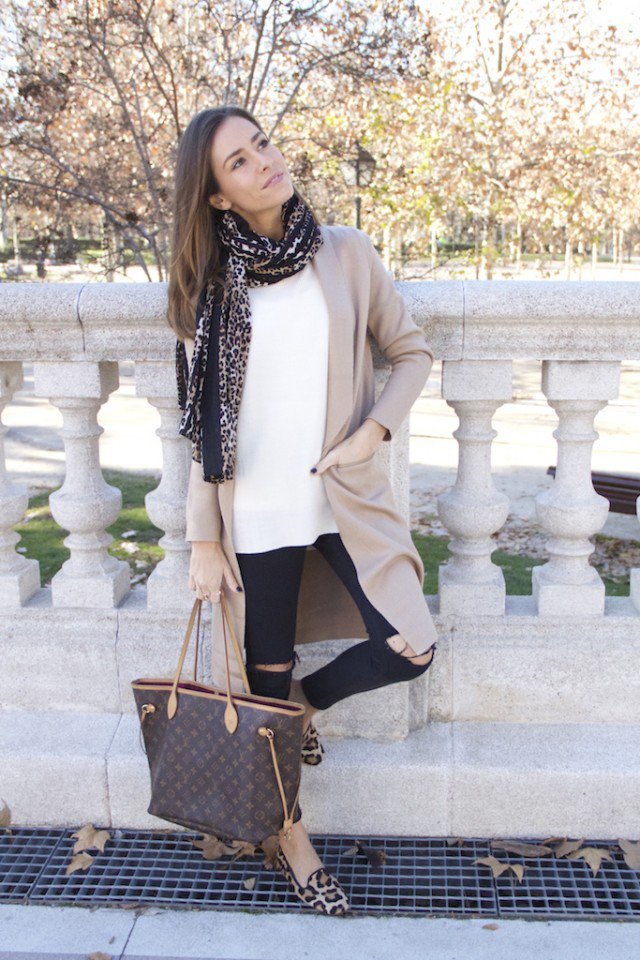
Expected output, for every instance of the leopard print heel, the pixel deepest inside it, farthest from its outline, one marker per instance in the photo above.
(312, 750)
(321, 891)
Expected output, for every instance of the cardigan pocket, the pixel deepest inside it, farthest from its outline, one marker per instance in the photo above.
(355, 463)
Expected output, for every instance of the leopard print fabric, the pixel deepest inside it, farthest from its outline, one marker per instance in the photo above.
(322, 891)
(312, 749)
(253, 261)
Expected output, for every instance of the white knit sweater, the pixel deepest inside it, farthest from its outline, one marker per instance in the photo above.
(277, 501)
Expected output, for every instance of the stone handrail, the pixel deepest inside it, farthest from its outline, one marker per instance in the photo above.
(75, 333)
(463, 320)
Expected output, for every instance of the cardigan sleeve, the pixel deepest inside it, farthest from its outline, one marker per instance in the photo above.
(203, 518)
(402, 342)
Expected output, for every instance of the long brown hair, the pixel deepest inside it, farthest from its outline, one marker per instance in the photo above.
(196, 256)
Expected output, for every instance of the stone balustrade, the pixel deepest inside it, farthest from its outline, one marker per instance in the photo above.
(76, 645)
(76, 333)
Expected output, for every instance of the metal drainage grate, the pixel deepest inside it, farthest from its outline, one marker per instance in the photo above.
(421, 876)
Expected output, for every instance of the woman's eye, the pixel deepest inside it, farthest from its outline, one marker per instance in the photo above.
(264, 140)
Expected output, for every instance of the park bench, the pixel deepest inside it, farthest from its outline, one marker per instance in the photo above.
(621, 489)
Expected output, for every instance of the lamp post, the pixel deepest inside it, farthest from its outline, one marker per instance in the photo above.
(358, 172)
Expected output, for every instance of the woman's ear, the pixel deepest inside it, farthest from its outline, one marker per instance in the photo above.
(218, 202)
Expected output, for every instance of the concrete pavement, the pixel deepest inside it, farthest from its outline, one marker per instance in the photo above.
(72, 933)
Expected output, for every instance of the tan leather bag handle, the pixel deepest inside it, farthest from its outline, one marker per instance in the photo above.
(231, 716)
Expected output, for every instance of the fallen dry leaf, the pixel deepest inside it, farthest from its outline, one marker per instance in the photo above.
(5, 815)
(269, 847)
(490, 926)
(212, 847)
(89, 837)
(498, 867)
(631, 852)
(80, 862)
(524, 849)
(100, 956)
(593, 856)
(375, 855)
(243, 849)
(249, 883)
(566, 847)
(458, 841)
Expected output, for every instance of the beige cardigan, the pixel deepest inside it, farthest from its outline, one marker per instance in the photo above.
(360, 296)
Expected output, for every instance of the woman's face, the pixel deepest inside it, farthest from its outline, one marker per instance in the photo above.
(243, 160)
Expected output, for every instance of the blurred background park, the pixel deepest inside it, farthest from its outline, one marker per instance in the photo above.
(490, 140)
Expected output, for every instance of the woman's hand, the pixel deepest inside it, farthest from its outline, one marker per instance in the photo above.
(208, 567)
(361, 445)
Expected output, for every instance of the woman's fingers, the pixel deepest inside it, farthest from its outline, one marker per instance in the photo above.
(209, 592)
(207, 572)
(229, 577)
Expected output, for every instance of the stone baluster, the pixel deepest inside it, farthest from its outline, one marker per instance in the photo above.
(19, 576)
(472, 509)
(167, 587)
(570, 509)
(85, 504)
(634, 575)
(394, 455)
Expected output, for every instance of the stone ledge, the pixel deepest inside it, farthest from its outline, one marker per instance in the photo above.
(516, 668)
(458, 779)
(53, 767)
(462, 319)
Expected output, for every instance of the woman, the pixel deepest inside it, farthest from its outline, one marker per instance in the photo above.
(286, 506)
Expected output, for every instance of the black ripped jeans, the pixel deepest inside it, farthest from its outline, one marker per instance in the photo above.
(271, 583)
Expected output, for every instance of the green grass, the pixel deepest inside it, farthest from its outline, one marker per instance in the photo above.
(42, 539)
(516, 568)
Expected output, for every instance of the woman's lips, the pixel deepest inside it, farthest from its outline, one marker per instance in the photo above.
(275, 179)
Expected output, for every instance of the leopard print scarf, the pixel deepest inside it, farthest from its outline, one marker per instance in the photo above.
(209, 393)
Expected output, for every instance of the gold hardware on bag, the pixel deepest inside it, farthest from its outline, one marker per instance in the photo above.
(146, 708)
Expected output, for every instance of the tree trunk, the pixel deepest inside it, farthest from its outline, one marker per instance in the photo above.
(568, 259)
(433, 242)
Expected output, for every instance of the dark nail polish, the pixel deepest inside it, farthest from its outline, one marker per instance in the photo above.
(238, 589)
(313, 470)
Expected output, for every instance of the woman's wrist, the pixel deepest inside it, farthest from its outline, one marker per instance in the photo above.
(375, 429)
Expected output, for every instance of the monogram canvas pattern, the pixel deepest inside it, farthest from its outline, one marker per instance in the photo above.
(205, 778)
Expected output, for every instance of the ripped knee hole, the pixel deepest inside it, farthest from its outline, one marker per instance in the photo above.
(273, 666)
(413, 657)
